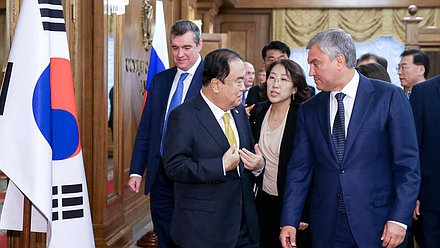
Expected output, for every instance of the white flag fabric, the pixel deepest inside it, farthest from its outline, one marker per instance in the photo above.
(159, 48)
(40, 149)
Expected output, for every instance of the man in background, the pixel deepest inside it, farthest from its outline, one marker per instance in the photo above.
(372, 58)
(168, 89)
(425, 102)
(274, 51)
(412, 69)
(248, 80)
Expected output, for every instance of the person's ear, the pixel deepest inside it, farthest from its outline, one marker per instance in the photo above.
(421, 70)
(214, 85)
(340, 61)
(200, 45)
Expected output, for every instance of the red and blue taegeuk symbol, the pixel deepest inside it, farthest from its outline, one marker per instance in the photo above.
(53, 105)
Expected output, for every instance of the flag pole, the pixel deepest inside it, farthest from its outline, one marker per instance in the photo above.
(26, 234)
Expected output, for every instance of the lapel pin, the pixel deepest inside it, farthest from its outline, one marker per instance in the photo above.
(236, 111)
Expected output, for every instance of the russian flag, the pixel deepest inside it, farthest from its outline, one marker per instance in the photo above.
(159, 51)
(40, 147)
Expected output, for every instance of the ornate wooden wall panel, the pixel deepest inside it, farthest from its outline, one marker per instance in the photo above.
(248, 32)
(134, 74)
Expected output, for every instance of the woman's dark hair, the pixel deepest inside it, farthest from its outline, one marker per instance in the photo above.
(374, 70)
(296, 74)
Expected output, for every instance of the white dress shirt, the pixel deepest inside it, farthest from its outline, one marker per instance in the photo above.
(186, 82)
(350, 94)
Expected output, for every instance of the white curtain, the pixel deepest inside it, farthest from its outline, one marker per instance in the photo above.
(385, 46)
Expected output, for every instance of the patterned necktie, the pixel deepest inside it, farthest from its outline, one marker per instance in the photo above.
(338, 133)
(176, 100)
(243, 98)
(228, 130)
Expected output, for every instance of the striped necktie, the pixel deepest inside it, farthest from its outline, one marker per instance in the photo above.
(338, 133)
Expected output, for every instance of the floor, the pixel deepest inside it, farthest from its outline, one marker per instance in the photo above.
(139, 230)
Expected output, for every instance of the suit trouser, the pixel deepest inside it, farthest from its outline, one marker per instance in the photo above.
(269, 213)
(343, 237)
(244, 237)
(162, 204)
(430, 229)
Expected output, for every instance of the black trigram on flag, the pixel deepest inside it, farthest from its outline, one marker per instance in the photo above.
(52, 15)
(67, 203)
(4, 89)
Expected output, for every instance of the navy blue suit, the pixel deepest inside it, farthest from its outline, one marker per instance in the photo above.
(379, 174)
(146, 152)
(210, 208)
(425, 101)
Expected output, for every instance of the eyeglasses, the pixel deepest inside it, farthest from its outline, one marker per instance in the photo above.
(282, 81)
(404, 67)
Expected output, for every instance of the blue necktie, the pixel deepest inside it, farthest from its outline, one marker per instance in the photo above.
(243, 98)
(338, 133)
(176, 100)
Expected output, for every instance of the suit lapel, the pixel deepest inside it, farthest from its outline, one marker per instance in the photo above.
(196, 83)
(207, 119)
(259, 112)
(165, 87)
(362, 103)
(437, 86)
(241, 123)
(323, 112)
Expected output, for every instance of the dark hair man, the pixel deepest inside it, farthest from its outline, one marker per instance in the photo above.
(168, 89)
(208, 154)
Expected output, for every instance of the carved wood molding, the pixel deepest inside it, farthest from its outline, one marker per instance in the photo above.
(209, 6)
(146, 18)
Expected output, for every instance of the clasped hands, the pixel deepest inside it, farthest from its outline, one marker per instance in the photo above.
(252, 161)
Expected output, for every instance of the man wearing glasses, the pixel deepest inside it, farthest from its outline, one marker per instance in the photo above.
(413, 69)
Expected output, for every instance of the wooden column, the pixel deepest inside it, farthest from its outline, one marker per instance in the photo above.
(207, 10)
(412, 28)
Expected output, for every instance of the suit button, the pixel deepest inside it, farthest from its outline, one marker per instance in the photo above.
(241, 203)
(342, 171)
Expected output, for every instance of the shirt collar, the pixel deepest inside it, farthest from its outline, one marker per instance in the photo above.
(218, 112)
(193, 68)
(351, 88)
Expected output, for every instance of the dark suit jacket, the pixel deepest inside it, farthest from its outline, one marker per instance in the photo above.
(425, 102)
(146, 154)
(379, 175)
(254, 95)
(208, 205)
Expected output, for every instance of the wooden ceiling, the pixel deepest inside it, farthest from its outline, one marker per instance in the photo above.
(274, 4)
